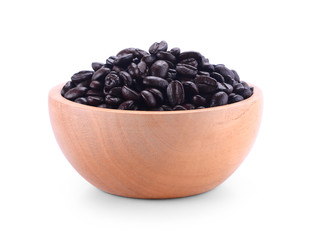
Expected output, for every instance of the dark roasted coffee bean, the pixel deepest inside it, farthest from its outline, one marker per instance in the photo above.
(105, 91)
(141, 70)
(96, 65)
(67, 87)
(148, 98)
(157, 47)
(81, 76)
(170, 64)
(190, 61)
(179, 108)
(113, 101)
(190, 88)
(126, 78)
(203, 66)
(159, 68)
(188, 106)
(224, 71)
(117, 69)
(198, 100)
(81, 100)
(112, 80)
(126, 51)
(217, 76)
(100, 74)
(123, 60)
(228, 79)
(172, 73)
(139, 53)
(95, 100)
(103, 105)
(175, 93)
(157, 94)
(149, 60)
(227, 88)
(84, 84)
(175, 51)
(76, 92)
(155, 82)
(218, 99)
(94, 92)
(96, 85)
(185, 69)
(252, 89)
(245, 92)
(167, 108)
(110, 61)
(203, 73)
(196, 55)
(116, 92)
(235, 98)
(166, 56)
(129, 94)
(244, 84)
(127, 105)
(238, 87)
(206, 84)
(205, 60)
(236, 76)
(200, 107)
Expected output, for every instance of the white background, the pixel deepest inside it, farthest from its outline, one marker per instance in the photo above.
(44, 42)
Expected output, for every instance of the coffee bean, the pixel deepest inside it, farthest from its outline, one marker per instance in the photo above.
(206, 84)
(141, 70)
(200, 107)
(76, 92)
(196, 55)
(100, 74)
(81, 76)
(227, 88)
(155, 82)
(157, 94)
(219, 99)
(166, 108)
(190, 61)
(123, 60)
(186, 69)
(204, 66)
(96, 65)
(159, 68)
(110, 61)
(172, 74)
(113, 101)
(175, 93)
(166, 56)
(157, 109)
(203, 73)
(217, 76)
(67, 87)
(175, 51)
(129, 94)
(94, 100)
(189, 106)
(148, 98)
(116, 92)
(112, 80)
(190, 88)
(96, 85)
(149, 60)
(179, 108)
(81, 100)
(198, 100)
(126, 78)
(245, 92)
(94, 92)
(224, 71)
(127, 105)
(236, 76)
(157, 47)
(235, 98)
(103, 105)
(244, 84)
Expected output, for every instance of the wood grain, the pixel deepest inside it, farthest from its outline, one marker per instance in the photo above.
(143, 154)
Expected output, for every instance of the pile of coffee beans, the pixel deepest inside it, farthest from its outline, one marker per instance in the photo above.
(157, 80)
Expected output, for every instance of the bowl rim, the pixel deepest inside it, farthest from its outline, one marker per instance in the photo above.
(55, 94)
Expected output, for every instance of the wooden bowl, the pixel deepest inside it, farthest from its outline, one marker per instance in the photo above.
(146, 154)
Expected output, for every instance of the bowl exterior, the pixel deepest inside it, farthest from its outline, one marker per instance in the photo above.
(155, 154)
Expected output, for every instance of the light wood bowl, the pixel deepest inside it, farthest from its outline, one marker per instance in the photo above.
(143, 154)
